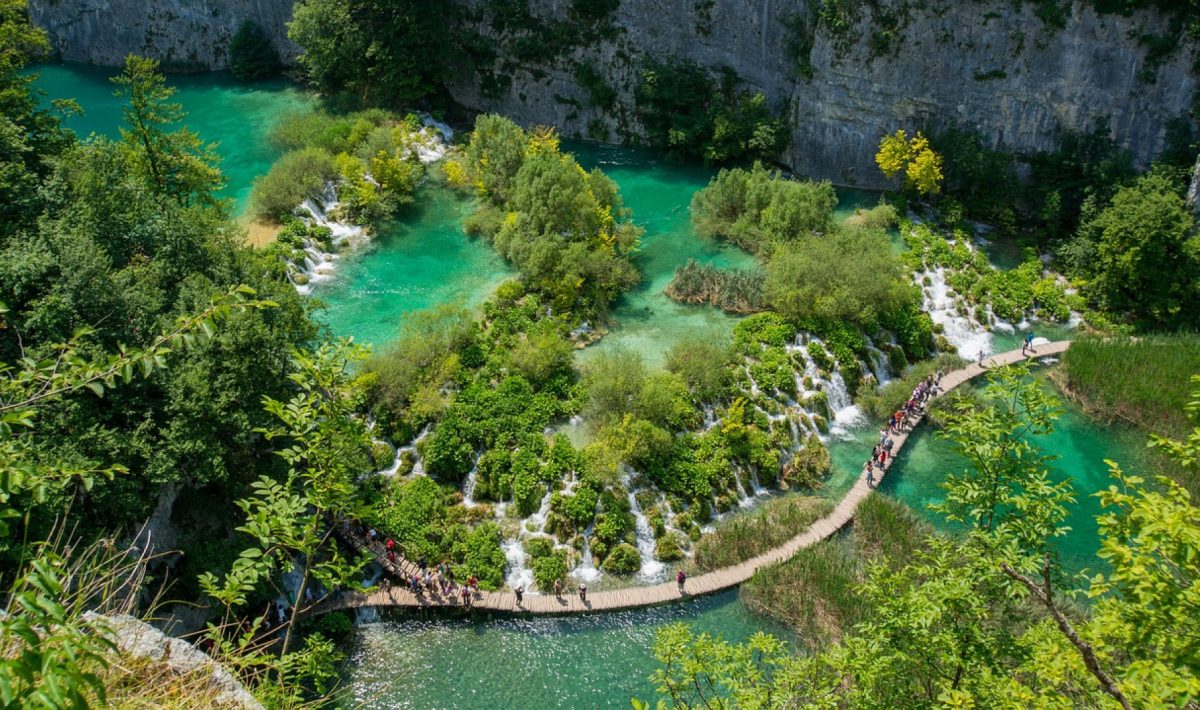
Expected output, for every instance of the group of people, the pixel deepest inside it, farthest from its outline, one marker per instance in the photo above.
(899, 421)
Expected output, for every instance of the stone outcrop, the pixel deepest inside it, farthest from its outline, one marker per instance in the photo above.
(989, 65)
(142, 641)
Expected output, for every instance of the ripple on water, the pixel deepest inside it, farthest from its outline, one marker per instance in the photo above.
(593, 661)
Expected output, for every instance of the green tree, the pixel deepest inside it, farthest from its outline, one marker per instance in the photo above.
(378, 52)
(1147, 254)
(30, 135)
(251, 54)
(850, 275)
(292, 521)
(175, 163)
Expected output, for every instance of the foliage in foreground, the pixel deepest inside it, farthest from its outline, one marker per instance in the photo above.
(816, 592)
(983, 620)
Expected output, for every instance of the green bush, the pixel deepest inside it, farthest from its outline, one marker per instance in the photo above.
(548, 569)
(702, 360)
(251, 54)
(669, 548)
(624, 559)
(756, 207)
(294, 178)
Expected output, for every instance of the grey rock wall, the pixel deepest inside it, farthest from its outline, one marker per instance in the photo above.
(182, 34)
(991, 65)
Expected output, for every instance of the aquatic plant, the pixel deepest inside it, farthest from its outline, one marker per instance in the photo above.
(732, 290)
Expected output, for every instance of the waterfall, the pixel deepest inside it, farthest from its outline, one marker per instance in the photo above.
(586, 571)
(969, 337)
(366, 615)
(652, 570)
(879, 365)
(518, 575)
(469, 484)
(418, 464)
(539, 518)
(745, 500)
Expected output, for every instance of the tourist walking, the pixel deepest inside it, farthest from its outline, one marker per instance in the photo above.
(558, 589)
(520, 592)
(680, 578)
(583, 592)
(1027, 345)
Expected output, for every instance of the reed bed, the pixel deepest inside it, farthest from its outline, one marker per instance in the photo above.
(815, 592)
(732, 290)
(744, 535)
(1143, 381)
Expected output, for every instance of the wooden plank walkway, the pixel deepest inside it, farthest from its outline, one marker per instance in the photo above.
(651, 595)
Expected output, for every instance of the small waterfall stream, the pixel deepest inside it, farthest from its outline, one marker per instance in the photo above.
(652, 569)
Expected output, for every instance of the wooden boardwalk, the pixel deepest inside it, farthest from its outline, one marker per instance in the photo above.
(650, 595)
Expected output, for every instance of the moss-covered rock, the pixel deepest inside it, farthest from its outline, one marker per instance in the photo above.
(624, 559)
(669, 548)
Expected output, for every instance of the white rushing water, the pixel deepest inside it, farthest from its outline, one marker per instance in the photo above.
(519, 574)
(652, 569)
(968, 336)
(586, 571)
(411, 449)
(469, 484)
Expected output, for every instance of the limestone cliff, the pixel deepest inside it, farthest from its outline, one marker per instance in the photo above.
(991, 65)
(182, 34)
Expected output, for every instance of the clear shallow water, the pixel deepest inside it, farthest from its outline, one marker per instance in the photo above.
(659, 193)
(236, 116)
(1080, 445)
(422, 260)
(594, 661)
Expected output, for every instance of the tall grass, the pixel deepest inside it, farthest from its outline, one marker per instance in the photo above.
(731, 290)
(1142, 381)
(815, 592)
(745, 535)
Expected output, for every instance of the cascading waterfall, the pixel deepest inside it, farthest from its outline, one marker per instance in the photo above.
(418, 468)
(469, 484)
(652, 569)
(519, 575)
(878, 362)
(586, 571)
(967, 335)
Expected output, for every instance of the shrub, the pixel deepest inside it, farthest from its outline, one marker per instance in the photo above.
(702, 360)
(669, 548)
(294, 178)
(251, 54)
(549, 568)
(624, 559)
(742, 536)
(753, 208)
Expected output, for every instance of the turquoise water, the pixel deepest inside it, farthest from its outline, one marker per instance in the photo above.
(1079, 444)
(236, 116)
(420, 261)
(659, 193)
(593, 661)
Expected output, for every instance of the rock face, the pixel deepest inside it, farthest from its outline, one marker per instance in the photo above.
(989, 65)
(142, 641)
(191, 35)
